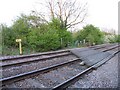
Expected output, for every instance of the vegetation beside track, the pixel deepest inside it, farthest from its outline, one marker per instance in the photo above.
(47, 36)
(39, 34)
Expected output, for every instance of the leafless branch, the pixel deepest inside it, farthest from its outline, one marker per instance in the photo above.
(70, 13)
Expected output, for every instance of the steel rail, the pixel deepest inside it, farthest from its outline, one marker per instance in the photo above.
(72, 80)
(111, 48)
(102, 45)
(23, 75)
(99, 47)
(34, 60)
(31, 73)
(54, 56)
(33, 55)
(105, 60)
(39, 54)
(100, 51)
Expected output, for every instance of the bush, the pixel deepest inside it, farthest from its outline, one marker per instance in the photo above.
(114, 39)
(46, 41)
(91, 34)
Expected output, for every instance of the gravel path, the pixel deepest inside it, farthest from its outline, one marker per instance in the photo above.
(105, 76)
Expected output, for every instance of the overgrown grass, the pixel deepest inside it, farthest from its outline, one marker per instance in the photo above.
(15, 51)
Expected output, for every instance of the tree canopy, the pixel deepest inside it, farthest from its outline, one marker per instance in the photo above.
(35, 34)
(91, 34)
(70, 13)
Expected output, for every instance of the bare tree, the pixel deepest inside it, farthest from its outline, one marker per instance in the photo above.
(70, 13)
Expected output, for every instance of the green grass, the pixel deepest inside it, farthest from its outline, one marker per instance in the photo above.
(9, 51)
(15, 51)
(5, 51)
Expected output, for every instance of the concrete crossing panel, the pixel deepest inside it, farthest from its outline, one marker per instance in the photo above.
(90, 56)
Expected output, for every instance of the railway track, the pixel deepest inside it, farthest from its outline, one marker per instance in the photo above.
(103, 45)
(66, 66)
(8, 58)
(24, 65)
(39, 57)
(29, 60)
(27, 67)
(76, 77)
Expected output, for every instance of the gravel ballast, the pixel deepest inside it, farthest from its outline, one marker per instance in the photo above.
(105, 76)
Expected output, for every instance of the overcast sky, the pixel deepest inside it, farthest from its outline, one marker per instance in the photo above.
(101, 13)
